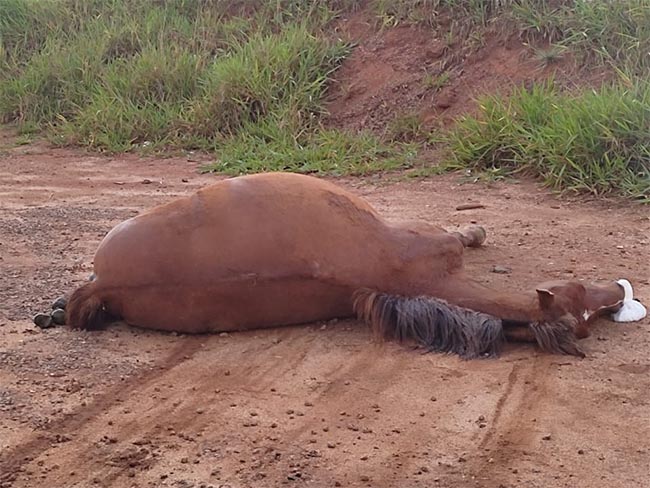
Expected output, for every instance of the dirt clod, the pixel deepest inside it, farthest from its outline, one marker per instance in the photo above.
(498, 269)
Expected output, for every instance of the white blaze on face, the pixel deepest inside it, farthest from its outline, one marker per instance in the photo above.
(631, 311)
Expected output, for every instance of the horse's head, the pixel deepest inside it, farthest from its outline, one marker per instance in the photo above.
(567, 307)
(578, 304)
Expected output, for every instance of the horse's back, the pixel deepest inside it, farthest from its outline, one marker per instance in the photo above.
(269, 224)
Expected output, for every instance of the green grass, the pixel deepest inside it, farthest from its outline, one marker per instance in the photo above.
(436, 82)
(614, 33)
(432, 12)
(281, 77)
(269, 147)
(244, 79)
(405, 128)
(247, 80)
(594, 141)
(547, 56)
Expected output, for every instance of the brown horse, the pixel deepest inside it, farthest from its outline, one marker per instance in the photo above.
(278, 249)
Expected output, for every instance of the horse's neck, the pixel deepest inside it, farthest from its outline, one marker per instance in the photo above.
(460, 290)
(431, 264)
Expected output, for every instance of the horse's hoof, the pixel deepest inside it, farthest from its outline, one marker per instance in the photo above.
(43, 321)
(58, 316)
(476, 235)
(60, 302)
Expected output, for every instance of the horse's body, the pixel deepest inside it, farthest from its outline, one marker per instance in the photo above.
(261, 251)
(280, 249)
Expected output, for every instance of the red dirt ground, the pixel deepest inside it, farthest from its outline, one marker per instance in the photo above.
(389, 74)
(318, 405)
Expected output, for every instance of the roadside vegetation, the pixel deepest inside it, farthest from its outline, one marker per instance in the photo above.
(247, 81)
(594, 141)
(243, 79)
(588, 140)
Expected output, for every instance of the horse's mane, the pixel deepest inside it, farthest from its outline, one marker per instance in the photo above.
(440, 326)
(557, 337)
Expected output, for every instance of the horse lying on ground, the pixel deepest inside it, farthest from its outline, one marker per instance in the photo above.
(279, 249)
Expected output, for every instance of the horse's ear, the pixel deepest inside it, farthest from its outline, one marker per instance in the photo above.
(546, 297)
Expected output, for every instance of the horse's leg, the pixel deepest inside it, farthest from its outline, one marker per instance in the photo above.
(472, 236)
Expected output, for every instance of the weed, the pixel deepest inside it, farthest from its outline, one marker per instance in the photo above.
(610, 33)
(594, 141)
(23, 140)
(428, 12)
(246, 78)
(436, 82)
(279, 76)
(549, 55)
(405, 128)
(269, 147)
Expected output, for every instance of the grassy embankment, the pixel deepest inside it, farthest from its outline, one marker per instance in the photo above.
(587, 140)
(248, 82)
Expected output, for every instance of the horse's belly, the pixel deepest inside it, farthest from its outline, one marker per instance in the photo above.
(227, 307)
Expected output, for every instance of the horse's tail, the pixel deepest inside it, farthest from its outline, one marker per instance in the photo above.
(430, 322)
(85, 308)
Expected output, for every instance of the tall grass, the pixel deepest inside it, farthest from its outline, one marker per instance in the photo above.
(595, 141)
(434, 12)
(613, 33)
(245, 79)
(138, 100)
(279, 76)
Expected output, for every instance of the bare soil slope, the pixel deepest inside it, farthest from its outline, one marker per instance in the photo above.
(318, 405)
(413, 71)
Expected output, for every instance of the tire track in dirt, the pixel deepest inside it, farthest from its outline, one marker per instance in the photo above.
(336, 393)
(266, 366)
(511, 432)
(13, 460)
(264, 362)
(513, 377)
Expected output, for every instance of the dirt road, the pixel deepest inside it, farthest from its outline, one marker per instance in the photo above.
(318, 405)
